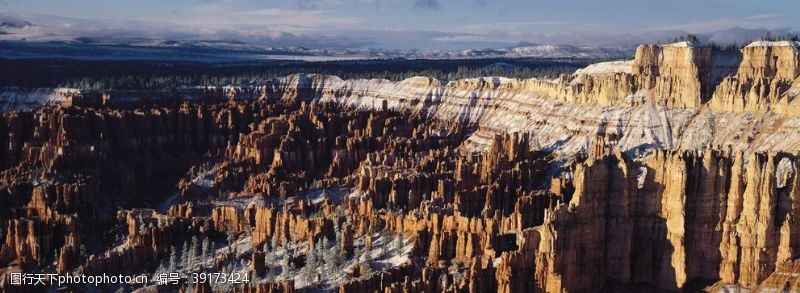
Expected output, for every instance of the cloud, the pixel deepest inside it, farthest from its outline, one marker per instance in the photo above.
(427, 5)
(213, 6)
(287, 18)
(222, 14)
(508, 26)
(307, 4)
(760, 21)
(314, 4)
(323, 28)
(299, 33)
(740, 35)
(577, 38)
(763, 16)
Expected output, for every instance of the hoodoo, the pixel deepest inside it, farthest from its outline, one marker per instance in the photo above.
(674, 171)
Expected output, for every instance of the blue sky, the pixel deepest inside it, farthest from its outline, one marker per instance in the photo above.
(400, 24)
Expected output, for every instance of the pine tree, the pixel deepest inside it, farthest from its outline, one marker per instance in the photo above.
(336, 228)
(185, 258)
(358, 254)
(173, 258)
(443, 282)
(142, 227)
(383, 248)
(325, 243)
(285, 266)
(231, 239)
(255, 278)
(274, 240)
(196, 246)
(338, 258)
(206, 247)
(310, 267)
(194, 249)
(243, 264)
(397, 243)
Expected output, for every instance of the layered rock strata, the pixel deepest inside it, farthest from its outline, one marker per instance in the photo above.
(677, 97)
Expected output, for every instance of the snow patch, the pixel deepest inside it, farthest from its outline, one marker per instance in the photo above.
(795, 44)
(683, 44)
(610, 67)
(16, 99)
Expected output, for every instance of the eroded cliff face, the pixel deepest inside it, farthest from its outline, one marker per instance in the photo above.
(677, 75)
(760, 78)
(675, 97)
(764, 81)
(669, 220)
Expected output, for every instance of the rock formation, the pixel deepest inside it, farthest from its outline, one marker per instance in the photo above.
(673, 171)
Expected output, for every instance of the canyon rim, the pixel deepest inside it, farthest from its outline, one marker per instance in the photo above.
(207, 156)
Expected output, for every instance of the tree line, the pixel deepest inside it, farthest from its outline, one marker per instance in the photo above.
(794, 37)
(157, 75)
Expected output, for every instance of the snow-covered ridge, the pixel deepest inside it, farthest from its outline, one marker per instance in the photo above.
(795, 44)
(499, 105)
(543, 51)
(610, 67)
(493, 105)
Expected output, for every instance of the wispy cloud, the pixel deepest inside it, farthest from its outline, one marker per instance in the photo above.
(509, 26)
(309, 19)
(332, 24)
(427, 4)
(49, 27)
(314, 4)
(756, 21)
(294, 27)
(307, 4)
(763, 16)
(222, 14)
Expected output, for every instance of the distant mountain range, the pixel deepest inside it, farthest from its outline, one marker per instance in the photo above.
(229, 51)
(540, 51)
(46, 36)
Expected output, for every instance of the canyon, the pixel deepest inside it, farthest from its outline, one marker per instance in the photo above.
(674, 171)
